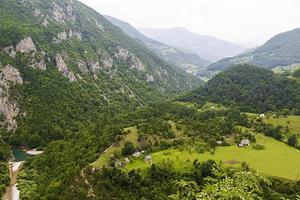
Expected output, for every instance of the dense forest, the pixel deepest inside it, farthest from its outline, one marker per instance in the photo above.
(251, 89)
(75, 86)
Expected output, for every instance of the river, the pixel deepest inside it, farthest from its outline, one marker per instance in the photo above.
(20, 156)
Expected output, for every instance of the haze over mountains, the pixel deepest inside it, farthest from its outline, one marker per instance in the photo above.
(206, 47)
(189, 62)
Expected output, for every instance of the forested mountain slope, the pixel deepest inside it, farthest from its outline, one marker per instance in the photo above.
(63, 64)
(187, 61)
(281, 50)
(251, 88)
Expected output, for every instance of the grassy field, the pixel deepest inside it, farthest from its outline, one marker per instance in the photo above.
(293, 122)
(108, 153)
(278, 159)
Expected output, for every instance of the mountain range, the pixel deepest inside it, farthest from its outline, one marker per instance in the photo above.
(189, 62)
(280, 51)
(63, 64)
(207, 47)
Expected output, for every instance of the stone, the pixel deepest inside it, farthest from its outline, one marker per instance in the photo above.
(129, 58)
(37, 12)
(58, 13)
(63, 69)
(98, 25)
(10, 51)
(25, 46)
(107, 62)
(93, 66)
(9, 76)
(82, 67)
(149, 78)
(45, 23)
(62, 35)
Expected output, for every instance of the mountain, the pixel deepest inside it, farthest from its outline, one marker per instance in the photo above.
(189, 62)
(63, 65)
(206, 47)
(281, 50)
(251, 88)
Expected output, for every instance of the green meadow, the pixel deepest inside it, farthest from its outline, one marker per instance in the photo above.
(277, 159)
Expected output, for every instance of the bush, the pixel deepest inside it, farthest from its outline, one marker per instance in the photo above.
(128, 149)
(258, 147)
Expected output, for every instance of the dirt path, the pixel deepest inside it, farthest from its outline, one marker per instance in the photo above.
(12, 192)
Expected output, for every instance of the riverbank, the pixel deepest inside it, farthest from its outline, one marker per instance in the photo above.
(20, 156)
(12, 192)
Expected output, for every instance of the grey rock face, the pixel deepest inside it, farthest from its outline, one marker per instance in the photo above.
(58, 13)
(10, 51)
(129, 58)
(62, 35)
(9, 76)
(25, 46)
(63, 69)
(82, 67)
(93, 66)
(45, 23)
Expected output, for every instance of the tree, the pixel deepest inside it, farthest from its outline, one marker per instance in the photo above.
(128, 149)
(292, 141)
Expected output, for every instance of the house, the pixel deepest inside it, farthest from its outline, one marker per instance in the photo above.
(118, 163)
(262, 116)
(244, 142)
(148, 159)
(127, 160)
(136, 154)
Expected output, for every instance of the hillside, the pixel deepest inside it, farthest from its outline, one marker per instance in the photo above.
(187, 61)
(206, 47)
(281, 50)
(252, 89)
(63, 64)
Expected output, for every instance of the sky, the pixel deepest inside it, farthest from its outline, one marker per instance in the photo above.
(245, 22)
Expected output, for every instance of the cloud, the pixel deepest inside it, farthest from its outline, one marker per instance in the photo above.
(240, 21)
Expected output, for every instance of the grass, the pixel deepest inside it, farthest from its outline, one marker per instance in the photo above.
(278, 159)
(293, 122)
(108, 153)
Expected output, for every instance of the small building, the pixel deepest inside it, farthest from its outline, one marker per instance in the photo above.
(244, 143)
(127, 160)
(148, 159)
(118, 163)
(262, 116)
(219, 142)
(136, 154)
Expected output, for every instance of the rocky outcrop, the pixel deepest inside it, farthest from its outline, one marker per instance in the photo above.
(82, 67)
(63, 69)
(45, 23)
(9, 110)
(107, 62)
(61, 14)
(64, 36)
(93, 66)
(38, 61)
(58, 13)
(98, 25)
(25, 46)
(129, 58)
(10, 51)
(149, 78)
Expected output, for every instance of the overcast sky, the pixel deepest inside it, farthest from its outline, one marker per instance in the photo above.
(247, 22)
